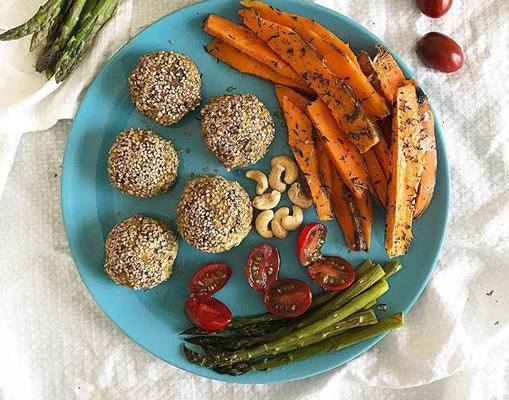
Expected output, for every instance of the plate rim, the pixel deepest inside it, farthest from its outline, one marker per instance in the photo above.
(238, 379)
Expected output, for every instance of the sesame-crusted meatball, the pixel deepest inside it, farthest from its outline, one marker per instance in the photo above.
(238, 129)
(142, 163)
(140, 252)
(214, 214)
(165, 86)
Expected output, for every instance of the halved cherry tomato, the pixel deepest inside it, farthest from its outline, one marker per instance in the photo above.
(288, 298)
(332, 273)
(310, 242)
(262, 266)
(207, 313)
(210, 278)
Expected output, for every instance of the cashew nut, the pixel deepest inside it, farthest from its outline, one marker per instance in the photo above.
(277, 228)
(262, 183)
(275, 178)
(290, 166)
(267, 201)
(292, 222)
(297, 197)
(262, 223)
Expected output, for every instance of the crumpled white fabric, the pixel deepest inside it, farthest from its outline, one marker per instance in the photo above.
(55, 343)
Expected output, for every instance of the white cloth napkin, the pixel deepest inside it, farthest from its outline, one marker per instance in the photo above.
(56, 344)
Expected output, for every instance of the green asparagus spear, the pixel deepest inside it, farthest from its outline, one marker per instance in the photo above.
(332, 344)
(362, 269)
(76, 12)
(391, 268)
(83, 36)
(45, 32)
(230, 343)
(260, 329)
(370, 305)
(292, 340)
(41, 17)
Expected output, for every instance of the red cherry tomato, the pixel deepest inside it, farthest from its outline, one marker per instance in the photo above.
(434, 8)
(210, 278)
(288, 298)
(332, 273)
(310, 242)
(207, 313)
(262, 266)
(440, 52)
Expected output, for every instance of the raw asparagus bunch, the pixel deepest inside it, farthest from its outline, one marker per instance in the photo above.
(68, 28)
(43, 16)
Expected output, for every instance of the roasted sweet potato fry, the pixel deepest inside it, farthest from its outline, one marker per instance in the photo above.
(335, 59)
(385, 126)
(244, 63)
(347, 112)
(383, 155)
(323, 32)
(366, 64)
(343, 154)
(354, 221)
(300, 139)
(388, 76)
(429, 173)
(376, 176)
(325, 167)
(406, 165)
(246, 41)
(296, 98)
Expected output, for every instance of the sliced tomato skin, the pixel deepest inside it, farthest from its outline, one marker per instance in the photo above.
(288, 298)
(332, 273)
(207, 313)
(210, 278)
(262, 266)
(310, 242)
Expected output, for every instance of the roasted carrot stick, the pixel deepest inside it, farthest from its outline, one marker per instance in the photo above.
(300, 139)
(244, 63)
(347, 112)
(406, 165)
(343, 154)
(296, 98)
(323, 32)
(335, 59)
(244, 40)
(429, 173)
(376, 176)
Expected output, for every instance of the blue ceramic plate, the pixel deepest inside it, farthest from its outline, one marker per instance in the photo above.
(91, 207)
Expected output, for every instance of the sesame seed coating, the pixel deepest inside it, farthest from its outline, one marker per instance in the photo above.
(165, 86)
(140, 252)
(238, 129)
(142, 163)
(214, 214)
